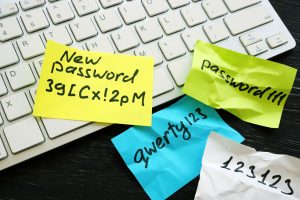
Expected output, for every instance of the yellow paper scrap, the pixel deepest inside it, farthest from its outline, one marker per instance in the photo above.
(252, 89)
(93, 86)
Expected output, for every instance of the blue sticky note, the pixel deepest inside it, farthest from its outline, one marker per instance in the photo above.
(168, 155)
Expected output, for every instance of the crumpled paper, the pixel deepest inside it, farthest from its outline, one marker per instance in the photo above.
(253, 89)
(232, 171)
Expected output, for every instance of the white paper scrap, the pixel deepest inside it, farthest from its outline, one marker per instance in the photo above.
(235, 171)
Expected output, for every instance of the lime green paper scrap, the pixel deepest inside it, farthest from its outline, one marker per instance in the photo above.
(252, 89)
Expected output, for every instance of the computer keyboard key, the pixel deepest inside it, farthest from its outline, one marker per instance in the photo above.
(149, 31)
(193, 15)
(214, 9)
(31, 46)
(155, 7)
(101, 44)
(60, 12)
(58, 127)
(8, 55)
(20, 76)
(124, 39)
(29, 4)
(58, 34)
(38, 65)
(250, 38)
(110, 3)
(179, 69)
(172, 47)
(234, 5)
(3, 153)
(16, 106)
(150, 50)
(34, 20)
(161, 83)
(247, 19)
(8, 9)
(83, 29)
(171, 23)
(132, 12)
(257, 48)
(276, 40)
(178, 3)
(216, 31)
(9, 29)
(190, 37)
(84, 7)
(108, 20)
(3, 89)
(23, 135)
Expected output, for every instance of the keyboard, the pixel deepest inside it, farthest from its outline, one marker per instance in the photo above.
(164, 29)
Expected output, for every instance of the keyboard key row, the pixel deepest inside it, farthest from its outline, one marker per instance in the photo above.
(27, 133)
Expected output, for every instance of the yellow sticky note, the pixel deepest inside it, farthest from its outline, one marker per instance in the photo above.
(253, 89)
(93, 86)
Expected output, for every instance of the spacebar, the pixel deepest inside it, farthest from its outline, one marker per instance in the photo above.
(58, 127)
(247, 19)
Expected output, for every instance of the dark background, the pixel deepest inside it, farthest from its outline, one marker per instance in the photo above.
(91, 168)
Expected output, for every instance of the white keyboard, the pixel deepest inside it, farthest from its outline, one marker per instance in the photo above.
(165, 29)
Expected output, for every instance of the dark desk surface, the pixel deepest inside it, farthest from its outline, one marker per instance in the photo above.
(91, 168)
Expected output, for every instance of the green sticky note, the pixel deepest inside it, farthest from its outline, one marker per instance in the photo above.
(253, 89)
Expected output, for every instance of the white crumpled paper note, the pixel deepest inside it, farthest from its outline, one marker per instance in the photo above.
(234, 171)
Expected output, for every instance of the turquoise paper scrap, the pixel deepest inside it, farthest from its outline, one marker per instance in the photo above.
(168, 155)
